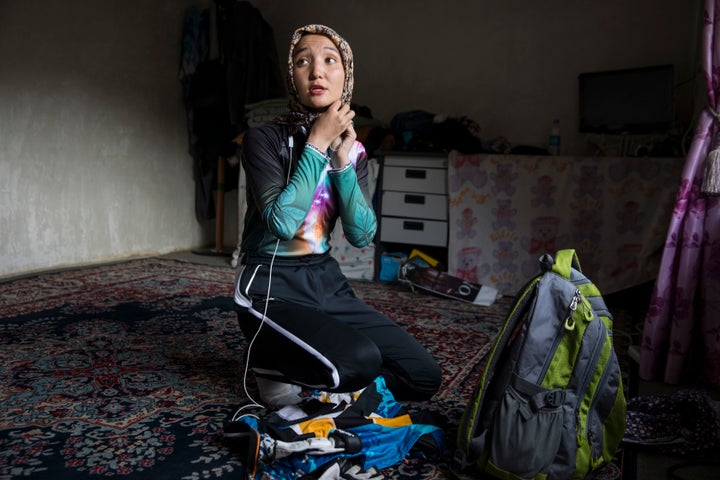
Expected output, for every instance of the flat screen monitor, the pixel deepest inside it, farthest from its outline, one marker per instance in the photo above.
(632, 101)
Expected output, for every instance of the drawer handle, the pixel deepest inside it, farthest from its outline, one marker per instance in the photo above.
(417, 199)
(409, 173)
(407, 225)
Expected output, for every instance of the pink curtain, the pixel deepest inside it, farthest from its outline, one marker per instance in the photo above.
(681, 334)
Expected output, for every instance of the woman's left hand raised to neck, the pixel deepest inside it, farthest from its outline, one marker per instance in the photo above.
(334, 127)
(340, 148)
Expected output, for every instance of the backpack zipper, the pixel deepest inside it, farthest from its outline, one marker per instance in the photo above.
(561, 333)
(587, 374)
(569, 320)
(591, 409)
(597, 350)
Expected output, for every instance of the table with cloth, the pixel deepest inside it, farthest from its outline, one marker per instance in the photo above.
(507, 210)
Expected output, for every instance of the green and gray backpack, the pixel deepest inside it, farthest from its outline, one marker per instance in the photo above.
(550, 403)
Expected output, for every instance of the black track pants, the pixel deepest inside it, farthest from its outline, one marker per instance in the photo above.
(315, 332)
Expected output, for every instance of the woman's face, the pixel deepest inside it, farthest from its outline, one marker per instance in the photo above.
(318, 72)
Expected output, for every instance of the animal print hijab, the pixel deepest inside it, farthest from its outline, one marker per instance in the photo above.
(299, 115)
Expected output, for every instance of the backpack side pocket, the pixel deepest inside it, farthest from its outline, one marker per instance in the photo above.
(526, 414)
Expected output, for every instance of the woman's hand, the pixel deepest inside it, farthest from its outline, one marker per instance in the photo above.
(341, 147)
(332, 125)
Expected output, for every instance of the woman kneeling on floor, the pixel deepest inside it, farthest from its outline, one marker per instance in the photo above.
(304, 325)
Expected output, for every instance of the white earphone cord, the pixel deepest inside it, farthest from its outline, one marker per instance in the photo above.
(255, 403)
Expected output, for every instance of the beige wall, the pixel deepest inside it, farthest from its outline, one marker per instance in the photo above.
(93, 146)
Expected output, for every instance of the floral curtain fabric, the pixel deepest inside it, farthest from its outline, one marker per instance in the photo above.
(681, 334)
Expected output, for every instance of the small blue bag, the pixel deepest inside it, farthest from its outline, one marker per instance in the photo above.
(390, 265)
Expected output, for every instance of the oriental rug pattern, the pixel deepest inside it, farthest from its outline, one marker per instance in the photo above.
(129, 370)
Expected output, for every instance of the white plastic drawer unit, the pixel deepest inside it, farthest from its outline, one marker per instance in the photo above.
(414, 230)
(416, 205)
(415, 174)
(414, 202)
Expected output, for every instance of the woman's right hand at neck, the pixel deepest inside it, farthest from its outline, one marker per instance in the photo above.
(330, 125)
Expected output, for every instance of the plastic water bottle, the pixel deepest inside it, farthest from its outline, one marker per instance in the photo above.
(554, 143)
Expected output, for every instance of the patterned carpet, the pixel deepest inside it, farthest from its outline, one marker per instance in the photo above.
(130, 369)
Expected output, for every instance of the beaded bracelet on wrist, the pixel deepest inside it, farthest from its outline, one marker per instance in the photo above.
(317, 149)
(341, 169)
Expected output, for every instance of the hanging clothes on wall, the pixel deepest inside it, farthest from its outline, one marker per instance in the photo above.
(228, 60)
(202, 75)
(194, 51)
(250, 56)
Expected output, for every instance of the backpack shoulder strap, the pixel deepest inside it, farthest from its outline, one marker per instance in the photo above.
(565, 261)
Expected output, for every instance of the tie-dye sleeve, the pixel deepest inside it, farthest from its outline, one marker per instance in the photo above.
(282, 202)
(286, 213)
(356, 213)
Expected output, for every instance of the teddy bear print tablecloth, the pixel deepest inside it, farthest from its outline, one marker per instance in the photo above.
(505, 211)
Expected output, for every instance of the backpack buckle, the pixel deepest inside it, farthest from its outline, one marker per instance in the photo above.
(555, 398)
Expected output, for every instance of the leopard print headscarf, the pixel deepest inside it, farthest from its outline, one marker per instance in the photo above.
(299, 115)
